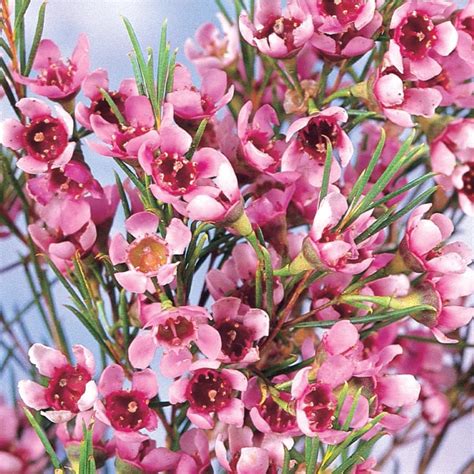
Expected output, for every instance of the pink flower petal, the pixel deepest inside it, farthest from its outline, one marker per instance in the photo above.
(178, 236)
(46, 359)
(142, 223)
(111, 380)
(142, 350)
(132, 281)
(11, 134)
(32, 394)
(209, 341)
(398, 390)
(145, 381)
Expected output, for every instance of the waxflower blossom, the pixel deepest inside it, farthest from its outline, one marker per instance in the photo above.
(191, 104)
(91, 86)
(422, 247)
(420, 31)
(44, 138)
(275, 33)
(58, 79)
(149, 255)
(308, 137)
(174, 329)
(213, 49)
(127, 410)
(211, 391)
(70, 389)
(239, 327)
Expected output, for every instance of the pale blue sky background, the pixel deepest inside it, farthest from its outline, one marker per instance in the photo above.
(100, 19)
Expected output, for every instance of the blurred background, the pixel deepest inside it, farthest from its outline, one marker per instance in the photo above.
(101, 21)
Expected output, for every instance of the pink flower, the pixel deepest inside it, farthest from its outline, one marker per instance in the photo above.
(239, 327)
(260, 148)
(70, 389)
(344, 29)
(212, 49)
(148, 255)
(465, 28)
(452, 155)
(58, 79)
(127, 410)
(21, 451)
(275, 33)
(209, 392)
(99, 106)
(174, 329)
(123, 140)
(445, 294)
(139, 455)
(399, 390)
(420, 31)
(72, 181)
(338, 251)
(203, 188)
(44, 138)
(191, 104)
(422, 248)
(309, 136)
(398, 103)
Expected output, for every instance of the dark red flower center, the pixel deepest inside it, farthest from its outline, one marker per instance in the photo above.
(467, 24)
(208, 391)
(175, 330)
(468, 182)
(416, 35)
(127, 410)
(236, 339)
(148, 254)
(45, 138)
(346, 11)
(101, 107)
(174, 173)
(319, 407)
(59, 74)
(282, 27)
(66, 387)
(313, 138)
(279, 420)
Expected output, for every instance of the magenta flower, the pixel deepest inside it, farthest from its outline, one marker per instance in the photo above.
(123, 140)
(239, 327)
(58, 79)
(420, 31)
(174, 329)
(91, 86)
(44, 138)
(213, 49)
(21, 451)
(149, 255)
(422, 248)
(127, 410)
(275, 33)
(452, 155)
(70, 389)
(191, 104)
(209, 392)
(309, 136)
(260, 148)
(399, 103)
(344, 29)
(202, 188)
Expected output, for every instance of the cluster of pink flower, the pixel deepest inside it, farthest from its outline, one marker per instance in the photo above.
(256, 195)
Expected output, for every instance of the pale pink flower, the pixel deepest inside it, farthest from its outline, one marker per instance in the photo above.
(70, 389)
(58, 79)
(420, 30)
(21, 451)
(91, 86)
(398, 102)
(423, 248)
(213, 49)
(174, 329)
(44, 139)
(309, 137)
(124, 140)
(148, 255)
(127, 410)
(211, 391)
(239, 327)
(275, 33)
(192, 104)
